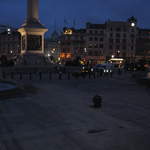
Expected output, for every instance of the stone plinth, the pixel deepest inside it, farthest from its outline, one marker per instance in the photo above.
(32, 37)
(33, 59)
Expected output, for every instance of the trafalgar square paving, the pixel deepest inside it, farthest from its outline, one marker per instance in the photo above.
(59, 116)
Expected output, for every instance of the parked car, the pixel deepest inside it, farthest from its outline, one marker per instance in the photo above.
(85, 68)
(106, 68)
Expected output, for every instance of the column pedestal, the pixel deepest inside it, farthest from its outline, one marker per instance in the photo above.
(32, 38)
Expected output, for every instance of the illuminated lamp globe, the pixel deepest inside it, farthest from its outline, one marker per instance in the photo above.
(132, 24)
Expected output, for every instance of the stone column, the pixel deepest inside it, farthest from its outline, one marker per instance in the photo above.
(32, 34)
(33, 10)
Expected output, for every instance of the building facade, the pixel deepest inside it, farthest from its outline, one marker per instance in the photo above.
(72, 44)
(112, 39)
(95, 42)
(100, 42)
(52, 47)
(143, 45)
(4, 28)
(10, 43)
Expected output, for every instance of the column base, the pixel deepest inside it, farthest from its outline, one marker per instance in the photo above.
(32, 59)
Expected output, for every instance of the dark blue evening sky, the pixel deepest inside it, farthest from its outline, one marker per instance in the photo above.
(54, 12)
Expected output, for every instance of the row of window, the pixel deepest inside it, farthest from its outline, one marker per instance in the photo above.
(111, 35)
(120, 41)
(117, 35)
(9, 39)
(73, 43)
(94, 53)
(9, 45)
(122, 29)
(74, 38)
(121, 35)
(96, 46)
(111, 30)
(118, 29)
(96, 39)
(101, 46)
(96, 32)
(120, 47)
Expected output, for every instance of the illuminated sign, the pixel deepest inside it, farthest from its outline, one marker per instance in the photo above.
(117, 59)
(68, 32)
(65, 55)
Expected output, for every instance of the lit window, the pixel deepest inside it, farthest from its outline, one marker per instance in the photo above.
(68, 32)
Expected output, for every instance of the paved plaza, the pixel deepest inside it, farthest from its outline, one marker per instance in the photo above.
(59, 116)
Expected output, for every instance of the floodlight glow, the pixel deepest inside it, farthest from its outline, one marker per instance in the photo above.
(113, 56)
(132, 24)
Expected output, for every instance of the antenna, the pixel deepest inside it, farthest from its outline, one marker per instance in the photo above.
(55, 25)
(74, 23)
(65, 23)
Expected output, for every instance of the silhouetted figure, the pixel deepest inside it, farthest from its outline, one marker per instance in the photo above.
(119, 71)
(50, 75)
(3, 75)
(20, 75)
(30, 76)
(40, 75)
(101, 72)
(12, 75)
(60, 75)
(68, 75)
(89, 75)
(111, 73)
(97, 101)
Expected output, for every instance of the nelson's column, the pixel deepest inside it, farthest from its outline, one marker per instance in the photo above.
(32, 37)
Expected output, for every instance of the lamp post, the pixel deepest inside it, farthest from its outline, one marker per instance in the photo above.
(118, 53)
(85, 53)
(112, 56)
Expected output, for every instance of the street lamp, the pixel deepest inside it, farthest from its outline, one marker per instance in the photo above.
(85, 50)
(132, 24)
(112, 56)
(118, 53)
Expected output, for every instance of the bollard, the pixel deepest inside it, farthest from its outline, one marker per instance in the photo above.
(40, 75)
(111, 73)
(12, 75)
(97, 101)
(101, 72)
(30, 76)
(20, 76)
(89, 75)
(60, 76)
(119, 72)
(50, 76)
(3, 75)
(94, 75)
(97, 74)
(68, 75)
